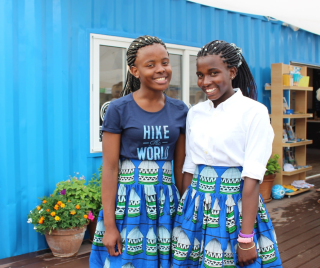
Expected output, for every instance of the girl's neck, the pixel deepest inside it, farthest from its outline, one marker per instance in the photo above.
(149, 94)
(223, 98)
(149, 100)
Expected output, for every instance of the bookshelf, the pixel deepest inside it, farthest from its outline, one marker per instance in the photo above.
(277, 88)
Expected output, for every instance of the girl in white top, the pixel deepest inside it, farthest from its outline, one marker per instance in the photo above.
(221, 219)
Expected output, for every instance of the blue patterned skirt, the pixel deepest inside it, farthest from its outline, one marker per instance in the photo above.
(209, 218)
(147, 202)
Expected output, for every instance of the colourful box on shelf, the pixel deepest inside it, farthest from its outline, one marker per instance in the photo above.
(304, 81)
(286, 79)
(289, 111)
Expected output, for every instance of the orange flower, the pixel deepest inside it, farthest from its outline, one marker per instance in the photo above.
(77, 207)
(72, 212)
(51, 195)
(40, 221)
(48, 210)
(42, 218)
(69, 201)
(56, 207)
(38, 207)
(53, 214)
(59, 203)
(57, 218)
(62, 205)
(85, 216)
(44, 201)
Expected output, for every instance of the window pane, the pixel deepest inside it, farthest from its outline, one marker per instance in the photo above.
(196, 94)
(112, 69)
(175, 87)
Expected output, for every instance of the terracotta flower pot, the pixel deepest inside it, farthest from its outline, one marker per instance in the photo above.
(266, 187)
(92, 228)
(65, 242)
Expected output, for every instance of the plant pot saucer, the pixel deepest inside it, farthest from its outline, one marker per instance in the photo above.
(267, 200)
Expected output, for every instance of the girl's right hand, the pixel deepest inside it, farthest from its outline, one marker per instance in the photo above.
(110, 239)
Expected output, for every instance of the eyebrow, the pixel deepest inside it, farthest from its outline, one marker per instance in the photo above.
(209, 70)
(212, 69)
(166, 58)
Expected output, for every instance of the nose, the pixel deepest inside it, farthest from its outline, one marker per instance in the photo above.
(206, 80)
(160, 68)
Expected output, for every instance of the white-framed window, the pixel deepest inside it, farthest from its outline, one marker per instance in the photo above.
(108, 71)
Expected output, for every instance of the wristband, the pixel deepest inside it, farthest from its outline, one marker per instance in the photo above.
(246, 235)
(244, 239)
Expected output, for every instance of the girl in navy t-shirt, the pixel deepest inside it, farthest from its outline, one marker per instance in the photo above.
(145, 129)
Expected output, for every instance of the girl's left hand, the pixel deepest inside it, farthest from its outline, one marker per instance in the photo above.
(246, 257)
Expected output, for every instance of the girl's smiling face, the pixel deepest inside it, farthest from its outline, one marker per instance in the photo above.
(215, 78)
(152, 67)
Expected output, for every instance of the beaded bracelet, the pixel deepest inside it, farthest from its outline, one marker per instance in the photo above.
(246, 235)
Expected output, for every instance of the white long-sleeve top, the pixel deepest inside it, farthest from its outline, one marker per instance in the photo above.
(235, 133)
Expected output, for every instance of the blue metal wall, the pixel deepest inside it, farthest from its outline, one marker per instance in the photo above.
(44, 84)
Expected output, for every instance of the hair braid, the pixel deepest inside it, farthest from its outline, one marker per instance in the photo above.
(132, 83)
(232, 55)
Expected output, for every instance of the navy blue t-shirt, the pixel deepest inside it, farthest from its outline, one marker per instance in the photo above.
(146, 135)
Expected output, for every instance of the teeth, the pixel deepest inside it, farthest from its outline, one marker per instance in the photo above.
(210, 90)
(161, 79)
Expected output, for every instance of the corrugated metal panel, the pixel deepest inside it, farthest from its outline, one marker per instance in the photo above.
(44, 78)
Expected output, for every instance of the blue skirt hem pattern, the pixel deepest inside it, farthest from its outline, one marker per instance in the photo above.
(147, 201)
(209, 218)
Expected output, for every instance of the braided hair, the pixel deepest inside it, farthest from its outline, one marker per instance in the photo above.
(132, 83)
(232, 55)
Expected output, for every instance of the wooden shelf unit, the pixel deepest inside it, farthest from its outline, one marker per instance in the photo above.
(297, 116)
(295, 144)
(300, 170)
(292, 87)
(277, 116)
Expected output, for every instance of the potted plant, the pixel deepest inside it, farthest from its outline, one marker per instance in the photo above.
(76, 189)
(63, 221)
(273, 167)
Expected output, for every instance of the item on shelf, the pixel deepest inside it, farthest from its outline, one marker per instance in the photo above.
(289, 156)
(286, 79)
(290, 187)
(289, 111)
(278, 191)
(288, 190)
(296, 74)
(290, 132)
(288, 167)
(302, 184)
(296, 79)
(285, 105)
(284, 136)
(304, 81)
(299, 167)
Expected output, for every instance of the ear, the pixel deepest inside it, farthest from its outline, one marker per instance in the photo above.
(233, 72)
(134, 71)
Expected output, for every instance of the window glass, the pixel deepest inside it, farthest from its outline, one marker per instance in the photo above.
(196, 94)
(175, 87)
(112, 68)
(111, 79)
